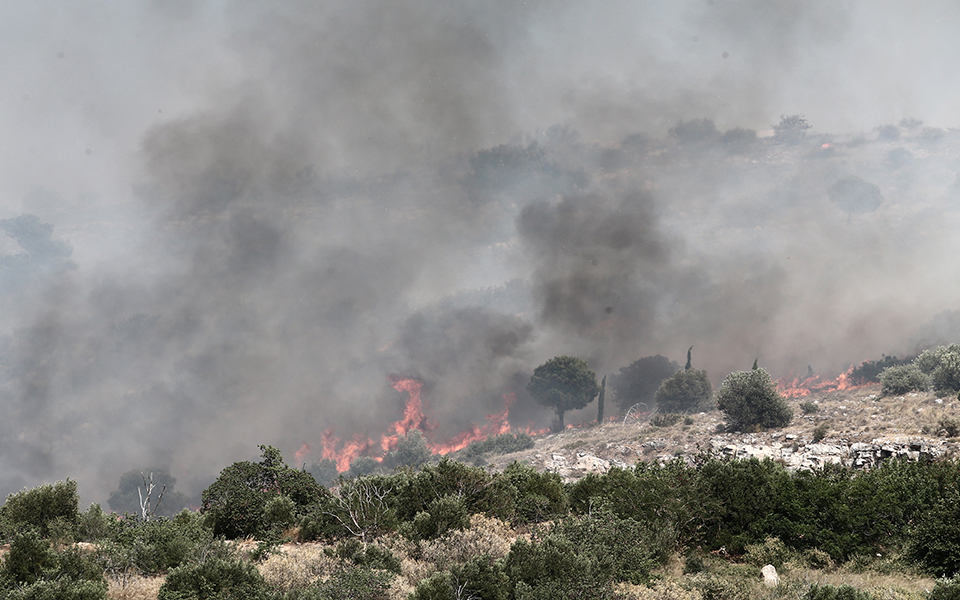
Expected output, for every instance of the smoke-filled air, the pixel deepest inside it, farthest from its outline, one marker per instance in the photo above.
(321, 225)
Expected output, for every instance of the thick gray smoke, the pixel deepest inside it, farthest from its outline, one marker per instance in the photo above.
(229, 223)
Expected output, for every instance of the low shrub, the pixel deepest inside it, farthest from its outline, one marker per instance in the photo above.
(820, 432)
(665, 419)
(901, 379)
(830, 592)
(40, 506)
(771, 552)
(687, 390)
(214, 578)
(809, 408)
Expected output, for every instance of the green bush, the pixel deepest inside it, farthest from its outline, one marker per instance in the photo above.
(234, 504)
(60, 589)
(945, 589)
(363, 465)
(820, 432)
(809, 408)
(324, 471)
(620, 549)
(357, 583)
(935, 540)
(94, 525)
(750, 400)
(505, 443)
(32, 570)
(154, 547)
(540, 495)
(551, 560)
(40, 506)
(771, 552)
(688, 390)
(480, 491)
(901, 379)
(370, 556)
(949, 427)
(29, 557)
(442, 515)
(218, 578)
(942, 366)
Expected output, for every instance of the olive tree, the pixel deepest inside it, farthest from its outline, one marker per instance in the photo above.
(563, 383)
(751, 400)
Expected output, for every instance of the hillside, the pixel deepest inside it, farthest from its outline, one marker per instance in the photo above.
(858, 416)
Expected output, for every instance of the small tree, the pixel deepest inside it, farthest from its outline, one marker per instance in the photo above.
(639, 381)
(134, 485)
(791, 129)
(563, 383)
(750, 400)
(685, 391)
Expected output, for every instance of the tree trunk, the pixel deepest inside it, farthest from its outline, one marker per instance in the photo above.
(560, 417)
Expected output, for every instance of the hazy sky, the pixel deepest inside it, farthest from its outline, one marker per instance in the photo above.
(268, 202)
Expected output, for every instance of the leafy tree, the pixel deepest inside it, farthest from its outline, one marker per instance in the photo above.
(935, 541)
(639, 381)
(855, 196)
(234, 504)
(127, 497)
(41, 506)
(791, 129)
(563, 383)
(685, 391)
(324, 471)
(750, 400)
(942, 365)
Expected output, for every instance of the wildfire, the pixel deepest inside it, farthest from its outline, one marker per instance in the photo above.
(797, 387)
(414, 418)
(301, 455)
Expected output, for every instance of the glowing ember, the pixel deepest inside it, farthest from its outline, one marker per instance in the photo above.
(797, 387)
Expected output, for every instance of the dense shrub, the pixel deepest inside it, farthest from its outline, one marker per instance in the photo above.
(540, 495)
(620, 549)
(665, 419)
(214, 578)
(370, 556)
(869, 370)
(480, 491)
(442, 515)
(363, 507)
(41, 506)
(750, 399)
(234, 504)
(830, 592)
(942, 365)
(32, 569)
(901, 379)
(935, 541)
(945, 589)
(639, 381)
(685, 391)
(155, 546)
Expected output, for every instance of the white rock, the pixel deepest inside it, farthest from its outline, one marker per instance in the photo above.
(770, 577)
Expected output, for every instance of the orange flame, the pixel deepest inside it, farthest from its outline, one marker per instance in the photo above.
(797, 387)
(414, 418)
(301, 455)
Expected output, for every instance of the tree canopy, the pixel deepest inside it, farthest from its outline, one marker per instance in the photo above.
(750, 399)
(563, 383)
(639, 381)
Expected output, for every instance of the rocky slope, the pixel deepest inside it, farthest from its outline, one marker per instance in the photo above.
(859, 427)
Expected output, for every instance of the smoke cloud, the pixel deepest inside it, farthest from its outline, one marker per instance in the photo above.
(229, 224)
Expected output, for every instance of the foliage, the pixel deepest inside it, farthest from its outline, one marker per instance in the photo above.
(750, 399)
(154, 547)
(685, 391)
(357, 583)
(855, 196)
(950, 427)
(32, 569)
(370, 556)
(94, 525)
(479, 490)
(443, 515)
(539, 495)
(935, 541)
(639, 381)
(214, 578)
(505, 443)
(127, 497)
(362, 465)
(791, 129)
(41, 506)
(563, 383)
(869, 370)
(771, 552)
(411, 452)
(234, 504)
(820, 432)
(695, 131)
(945, 589)
(809, 408)
(942, 365)
(901, 379)
(621, 549)
(324, 471)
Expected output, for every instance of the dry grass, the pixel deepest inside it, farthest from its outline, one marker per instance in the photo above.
(134, 587)
(297, 566)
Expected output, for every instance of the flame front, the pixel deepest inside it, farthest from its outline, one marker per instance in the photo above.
(415, 418)
(797, 387)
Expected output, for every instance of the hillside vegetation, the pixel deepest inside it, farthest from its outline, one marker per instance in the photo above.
(681, 521)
